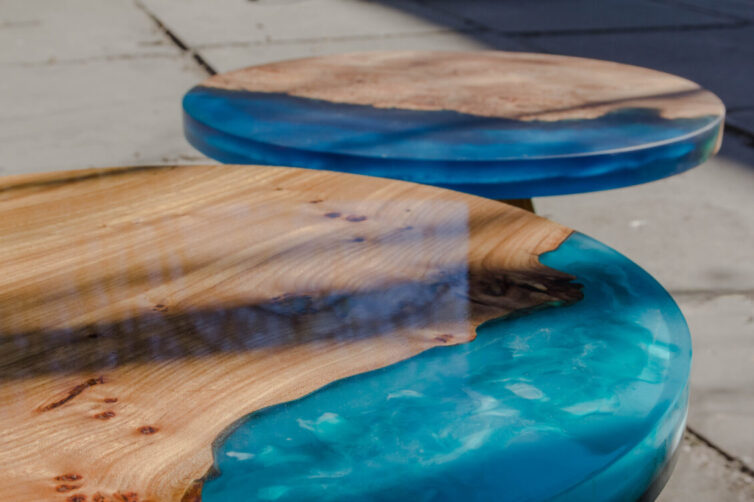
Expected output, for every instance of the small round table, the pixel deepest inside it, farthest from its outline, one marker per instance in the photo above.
(496, 124)
(291, 334)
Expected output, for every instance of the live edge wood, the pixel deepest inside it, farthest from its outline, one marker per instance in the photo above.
(144, 310)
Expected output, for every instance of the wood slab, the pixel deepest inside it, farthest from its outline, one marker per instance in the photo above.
(502, 125)
(145, 310)
(513, 85)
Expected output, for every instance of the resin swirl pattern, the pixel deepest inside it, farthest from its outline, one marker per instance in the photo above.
(501, 125)
(586, 402)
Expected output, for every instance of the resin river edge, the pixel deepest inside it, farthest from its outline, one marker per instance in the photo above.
(489, 157)
(169, 320)
(635, 464)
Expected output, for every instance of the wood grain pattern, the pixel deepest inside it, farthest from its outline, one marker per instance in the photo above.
(511, 85)
(144, 310)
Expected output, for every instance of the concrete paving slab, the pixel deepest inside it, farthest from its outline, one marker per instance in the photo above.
(574, 15)
(45, 31)
(720, 60)
(693, 232)
(704, 475)
(722, 394)
(743, 119)
(102, 113)
(203, 24)
(241, 55)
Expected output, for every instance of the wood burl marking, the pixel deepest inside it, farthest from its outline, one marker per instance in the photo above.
(268, 301)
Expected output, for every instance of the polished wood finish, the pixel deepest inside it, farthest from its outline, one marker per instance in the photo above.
(514, 85)
(144, 310)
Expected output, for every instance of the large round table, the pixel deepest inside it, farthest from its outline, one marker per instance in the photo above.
(497, 124)
(233, 333)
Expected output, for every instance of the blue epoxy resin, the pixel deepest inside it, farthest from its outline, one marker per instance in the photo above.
(584, 402)
(490, 123)
(498, 158)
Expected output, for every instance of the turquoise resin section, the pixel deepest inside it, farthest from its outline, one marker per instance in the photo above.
(584, 402)
(491, 157)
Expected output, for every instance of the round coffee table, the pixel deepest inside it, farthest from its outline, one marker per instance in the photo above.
(497, 124)
(291, 334)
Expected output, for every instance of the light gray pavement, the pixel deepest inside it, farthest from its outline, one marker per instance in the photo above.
(224, 58)
(89, 83)
(704, 474)
(93, 83)
(262, 22)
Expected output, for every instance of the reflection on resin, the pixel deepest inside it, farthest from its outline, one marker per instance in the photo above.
(351, 272)
(170, 302)
(573, 403)
(494, 157)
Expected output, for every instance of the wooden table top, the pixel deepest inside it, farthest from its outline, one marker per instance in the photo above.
(145, 311)
(497, 124)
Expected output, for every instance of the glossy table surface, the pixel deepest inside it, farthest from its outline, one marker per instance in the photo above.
(495, 124)
(231, 333)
